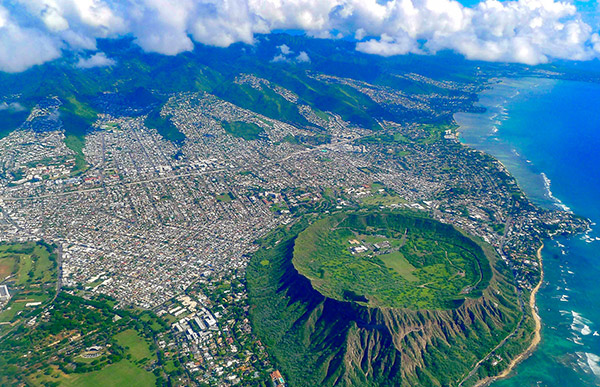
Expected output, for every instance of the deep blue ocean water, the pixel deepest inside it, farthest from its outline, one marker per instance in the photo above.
(547, 133)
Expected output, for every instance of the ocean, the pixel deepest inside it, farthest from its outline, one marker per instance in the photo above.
(547, 133)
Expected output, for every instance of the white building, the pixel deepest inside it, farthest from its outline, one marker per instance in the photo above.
(4, 293)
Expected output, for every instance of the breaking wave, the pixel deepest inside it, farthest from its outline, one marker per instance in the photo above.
(550, 196)
(589, 362)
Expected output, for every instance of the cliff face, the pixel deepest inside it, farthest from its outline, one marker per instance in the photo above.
(322, 341)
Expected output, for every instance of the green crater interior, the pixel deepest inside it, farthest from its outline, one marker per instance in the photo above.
(398, 260)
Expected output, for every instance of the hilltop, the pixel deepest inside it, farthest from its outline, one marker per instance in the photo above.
(421, 308)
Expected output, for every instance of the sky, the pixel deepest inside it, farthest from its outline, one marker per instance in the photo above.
(33, 32)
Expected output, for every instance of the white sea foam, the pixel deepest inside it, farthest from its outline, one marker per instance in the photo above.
(580, 324)
(588, 239)
(575, 339)
(550, 196)
(589, 362)
(594, 363)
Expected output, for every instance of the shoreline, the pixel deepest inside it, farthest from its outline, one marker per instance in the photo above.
(536, 333)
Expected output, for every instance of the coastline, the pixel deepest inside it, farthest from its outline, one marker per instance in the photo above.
(565, 356)
(536, 333)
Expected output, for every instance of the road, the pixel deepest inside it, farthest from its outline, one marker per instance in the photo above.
(178, 176)
(508, 226)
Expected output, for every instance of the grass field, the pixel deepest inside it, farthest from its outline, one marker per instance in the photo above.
(134, 344)
(7, 267)
(17, 304)
(224, 197)
(170, 366)
(35, 267)
(153, 324)
(29, 271)
(382, 200)
(77, 118)
(25, 266)
(392, 260)
(400, 265)
(380, 197)
(28, 263)
(321, 114)
(23, 259)
(123, 373)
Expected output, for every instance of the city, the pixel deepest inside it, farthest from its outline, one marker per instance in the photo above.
(159, 225)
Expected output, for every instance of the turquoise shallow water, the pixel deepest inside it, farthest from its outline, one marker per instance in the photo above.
(547, 133)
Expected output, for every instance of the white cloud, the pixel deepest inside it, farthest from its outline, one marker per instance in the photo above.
(528, 31)
(525, 31)
(286, 54)
(388, 46)
(23, 47)
(280, 58)
(303, 57)
(223, 22)
(285, 50)
(97, 60)
(13, 106)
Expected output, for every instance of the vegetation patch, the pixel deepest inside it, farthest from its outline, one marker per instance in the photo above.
(86, 342)
(396, 260)
(265, 102)
(164, 126)
(246, 130)
(225, 197)
(11, 120)
(76, 144)
(77, 118)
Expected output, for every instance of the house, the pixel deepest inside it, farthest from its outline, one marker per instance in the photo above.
(277, 379)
